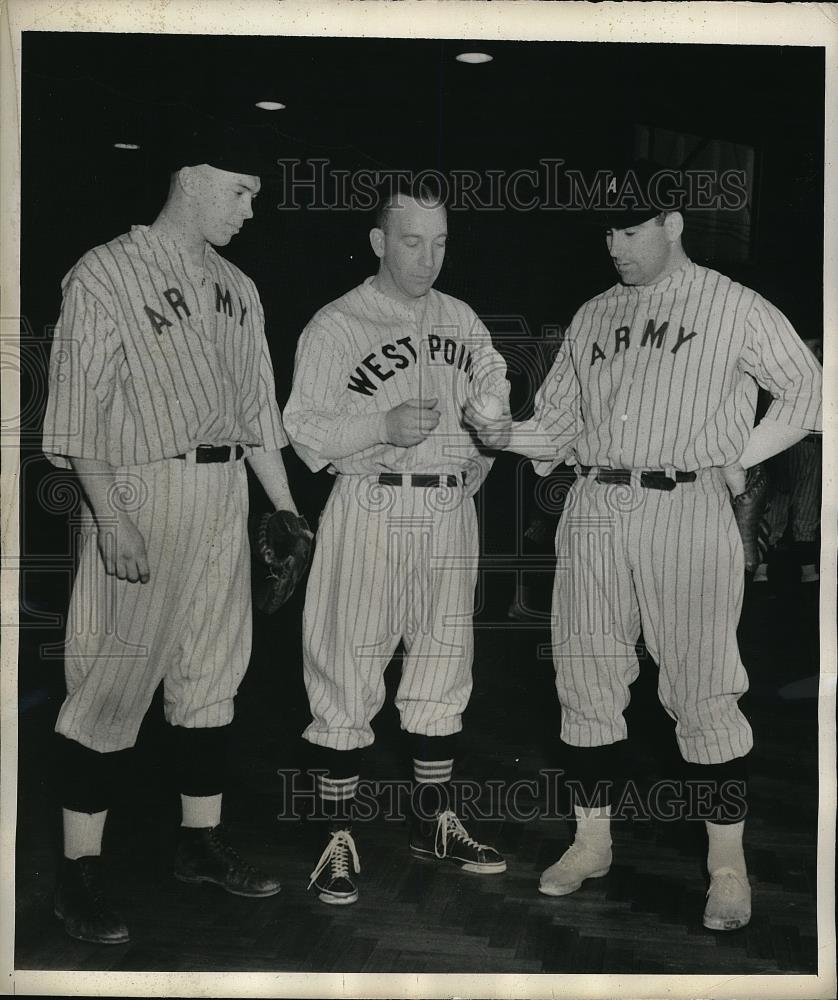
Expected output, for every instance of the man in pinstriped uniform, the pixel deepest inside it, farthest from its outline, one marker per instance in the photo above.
(380, 380)
(160, 384)
(795, 499)
(652, 397)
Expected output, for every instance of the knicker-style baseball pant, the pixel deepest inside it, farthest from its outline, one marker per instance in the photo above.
(803, 462)
(671, 563)
(189, 626)
(391, 563)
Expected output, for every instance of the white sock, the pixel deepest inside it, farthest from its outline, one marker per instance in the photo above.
(200, 810)
(593, 828)
(724, 846)
(83, 833)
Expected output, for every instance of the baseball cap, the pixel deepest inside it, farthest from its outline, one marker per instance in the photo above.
(636, 192)
(226, 146)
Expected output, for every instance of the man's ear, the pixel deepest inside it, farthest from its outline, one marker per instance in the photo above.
(187, 179)
(673, 225)
(377, 242)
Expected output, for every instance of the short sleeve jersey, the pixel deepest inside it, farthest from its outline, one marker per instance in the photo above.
(366, 353)
(154, 356)
(665, 376)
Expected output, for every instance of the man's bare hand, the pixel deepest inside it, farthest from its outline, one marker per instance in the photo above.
(491, 423)
(735, 477)
(122, 548)
(411, 422)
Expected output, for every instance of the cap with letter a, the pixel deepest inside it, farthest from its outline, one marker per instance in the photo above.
(638, 191)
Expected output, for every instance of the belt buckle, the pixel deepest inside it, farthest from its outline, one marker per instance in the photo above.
(657, 481)
(608, 477)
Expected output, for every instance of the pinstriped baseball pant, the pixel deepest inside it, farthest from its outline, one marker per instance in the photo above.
(391, 563)
(803, 500)
(189, 626)
(670, 563)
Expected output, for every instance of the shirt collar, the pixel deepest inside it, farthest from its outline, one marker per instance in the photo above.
(408, 311)
(669, 282)
(168, 242)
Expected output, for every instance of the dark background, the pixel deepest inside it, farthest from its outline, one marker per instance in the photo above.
(379, 104)
(398, 104)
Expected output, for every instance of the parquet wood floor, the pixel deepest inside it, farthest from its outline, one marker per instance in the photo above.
(418, 917)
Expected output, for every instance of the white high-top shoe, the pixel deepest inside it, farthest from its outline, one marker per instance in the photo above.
(728, 901)
(589, 856)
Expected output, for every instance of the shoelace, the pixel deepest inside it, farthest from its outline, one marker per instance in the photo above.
(728, 881)
(230, 855)
(339, 850)
(449, 826)
(90, 880)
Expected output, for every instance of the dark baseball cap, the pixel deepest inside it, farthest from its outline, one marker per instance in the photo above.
(635, 192)
(226, 146)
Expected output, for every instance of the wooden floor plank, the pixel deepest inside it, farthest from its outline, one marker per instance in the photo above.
(644, 916)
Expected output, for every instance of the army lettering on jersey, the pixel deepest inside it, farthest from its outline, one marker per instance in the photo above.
(665, 376)
(653, 337)
(154, 356)
(662, 376)
(174, 296)
(439, 348)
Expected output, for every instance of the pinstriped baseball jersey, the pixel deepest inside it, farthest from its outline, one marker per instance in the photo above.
(392, 562)
(660, 376)
(154, 356)
(366, 353)
(664, 376)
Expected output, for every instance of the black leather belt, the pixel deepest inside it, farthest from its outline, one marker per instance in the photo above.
(216, 453)
(652, 479)
(417, 479)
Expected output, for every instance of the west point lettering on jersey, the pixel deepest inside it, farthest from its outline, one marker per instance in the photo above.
(174, 296)
(402, 354)
(366, 353)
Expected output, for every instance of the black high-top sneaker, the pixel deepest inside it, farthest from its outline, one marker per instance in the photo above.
(446, 839)
(333, 874)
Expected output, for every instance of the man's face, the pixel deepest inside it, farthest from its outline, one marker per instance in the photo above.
(223, 202)
(640, 253)
(411, 247)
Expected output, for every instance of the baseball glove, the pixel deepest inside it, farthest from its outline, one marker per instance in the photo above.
(280, 546)
(748, 508)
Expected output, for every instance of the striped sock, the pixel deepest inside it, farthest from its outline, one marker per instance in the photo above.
(431, 793)
(426, 771)
(337, 797)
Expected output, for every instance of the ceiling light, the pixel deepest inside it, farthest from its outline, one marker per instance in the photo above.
(125, 145)
(474, 58)
(270, 105)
